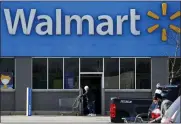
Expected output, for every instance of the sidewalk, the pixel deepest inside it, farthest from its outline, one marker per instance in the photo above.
(54, 119)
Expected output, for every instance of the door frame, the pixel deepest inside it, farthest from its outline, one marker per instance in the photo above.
(102, 89)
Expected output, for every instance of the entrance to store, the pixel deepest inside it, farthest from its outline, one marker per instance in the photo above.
(94, 82)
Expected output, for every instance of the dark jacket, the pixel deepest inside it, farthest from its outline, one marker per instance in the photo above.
(89, 96)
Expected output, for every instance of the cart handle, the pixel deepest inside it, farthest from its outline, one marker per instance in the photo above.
(76, 100)
(140, 116)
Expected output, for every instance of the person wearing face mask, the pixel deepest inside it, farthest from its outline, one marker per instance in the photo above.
(158, 95)
(5, 80)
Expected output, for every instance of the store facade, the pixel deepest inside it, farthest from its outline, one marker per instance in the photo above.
(57, 48)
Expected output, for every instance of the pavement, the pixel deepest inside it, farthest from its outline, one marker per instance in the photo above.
(55, 119)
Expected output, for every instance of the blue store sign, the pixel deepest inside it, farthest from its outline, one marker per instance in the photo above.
(89, 28)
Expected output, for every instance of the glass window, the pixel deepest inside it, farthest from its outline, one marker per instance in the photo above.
(39, 73)
(111, 73)
(175, 68)
(7, 73)
(143, 73)
(91, 64)
(71, 73)
(55, 73)
(127, 73)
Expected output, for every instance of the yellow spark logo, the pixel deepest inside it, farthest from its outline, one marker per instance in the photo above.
(164, 13)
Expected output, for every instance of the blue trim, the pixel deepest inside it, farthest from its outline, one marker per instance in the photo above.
(29, 102)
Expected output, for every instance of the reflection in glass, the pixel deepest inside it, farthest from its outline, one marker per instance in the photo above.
(39, 73)
(55, 67)
(143, 73)
(127, 73)
(91, 64)
(111, 73)
(71, 73)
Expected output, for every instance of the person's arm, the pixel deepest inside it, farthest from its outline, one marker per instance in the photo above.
(84, 94)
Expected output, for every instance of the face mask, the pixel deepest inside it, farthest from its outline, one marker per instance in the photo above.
(5, 81)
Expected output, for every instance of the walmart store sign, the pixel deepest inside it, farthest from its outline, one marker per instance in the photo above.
(27, 24)
(88, 28)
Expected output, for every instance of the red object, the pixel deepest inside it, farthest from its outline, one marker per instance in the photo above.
(112, 110)
(155, 98)
(155, 113)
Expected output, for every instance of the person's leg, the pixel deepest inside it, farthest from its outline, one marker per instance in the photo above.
(89, 107)
(93, 107)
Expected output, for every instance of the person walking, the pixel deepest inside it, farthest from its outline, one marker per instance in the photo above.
(90, 99)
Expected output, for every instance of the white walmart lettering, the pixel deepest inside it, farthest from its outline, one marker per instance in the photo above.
(27, 25)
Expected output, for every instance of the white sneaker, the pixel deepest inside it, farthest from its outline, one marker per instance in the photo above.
(93, 114)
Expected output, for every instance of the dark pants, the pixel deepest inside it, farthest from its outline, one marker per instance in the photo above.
(91, 107)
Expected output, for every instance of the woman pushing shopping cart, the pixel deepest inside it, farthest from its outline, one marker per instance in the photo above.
(64, 103)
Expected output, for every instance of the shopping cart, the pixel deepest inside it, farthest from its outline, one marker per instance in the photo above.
(70, 105)
(140, 118)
